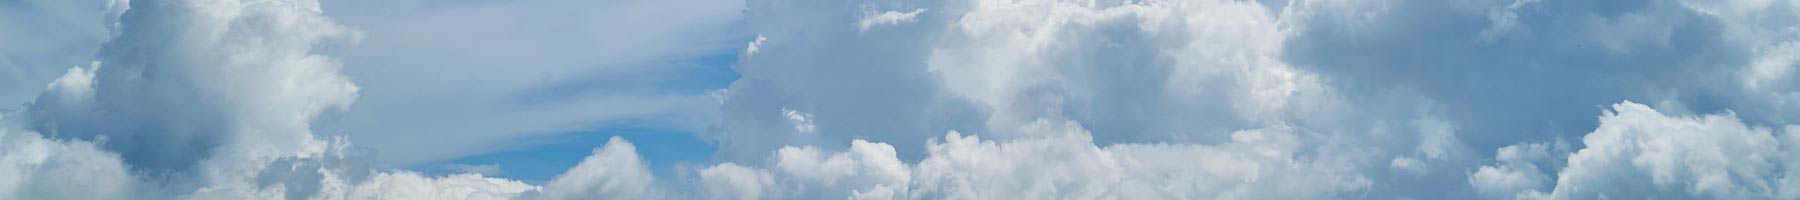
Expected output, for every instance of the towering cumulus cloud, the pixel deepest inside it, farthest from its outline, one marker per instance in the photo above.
(207, 99)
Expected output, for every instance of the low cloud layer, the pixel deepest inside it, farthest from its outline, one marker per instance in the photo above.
(1638, 152)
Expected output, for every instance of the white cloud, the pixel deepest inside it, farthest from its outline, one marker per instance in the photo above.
(410, 185)
(1502, 20)
(888, 18)
(236, 125)
(1776, 62)
(1180, 72)
(220, 99)
(1408, 164)
(1638, 149)
(755, 45)
(613, 172)
(191, 122)
(73, 92)
(1518, 175)
(1638, 152)
(1063, 162)
(34, 167)
(732, 181)
(241, 123)
(803, 122)
(77, 83)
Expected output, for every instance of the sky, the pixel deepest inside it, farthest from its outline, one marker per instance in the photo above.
(899, 99)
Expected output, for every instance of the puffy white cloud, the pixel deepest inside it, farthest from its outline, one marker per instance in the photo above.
(866, 170)
(1061, 162)
(1517, 175)
(1256, 164)
(613, 172)
(34, 167)
(732, 181)
(1183, 72)
(1764, 30)
(1638, 152)
(753, 46)
(1188, 71)
(245, 127)
(448, 79)
(888, 18)
(410, 185)
(1637, 149)
(803, 122)
(168, 99)
(208, 99)
(222, 99)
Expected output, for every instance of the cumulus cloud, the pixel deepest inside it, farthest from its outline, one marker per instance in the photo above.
(803, 122)
(207, 99)
(1638, 152)
(614, 172)
(1518, 174)
(1063, 162)
(1134, 73)
(754, 45)
(888, 18)
(410, 185)
(1182, 71)
(35, 167)
(1037, 99)
(732, 181)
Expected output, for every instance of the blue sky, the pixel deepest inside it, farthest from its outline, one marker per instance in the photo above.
(543, 158)
(899, 99)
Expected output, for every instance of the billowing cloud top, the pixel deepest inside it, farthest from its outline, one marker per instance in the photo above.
(932, 99)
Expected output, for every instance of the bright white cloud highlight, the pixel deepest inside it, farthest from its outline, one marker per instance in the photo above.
(1062, 163)
(34, 167)
(803, 122)
(732, 181)
(410, 185)
(1638, 152)
(888, 18)
(613, 172)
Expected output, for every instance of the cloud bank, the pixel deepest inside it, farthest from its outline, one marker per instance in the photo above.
(979, 99)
